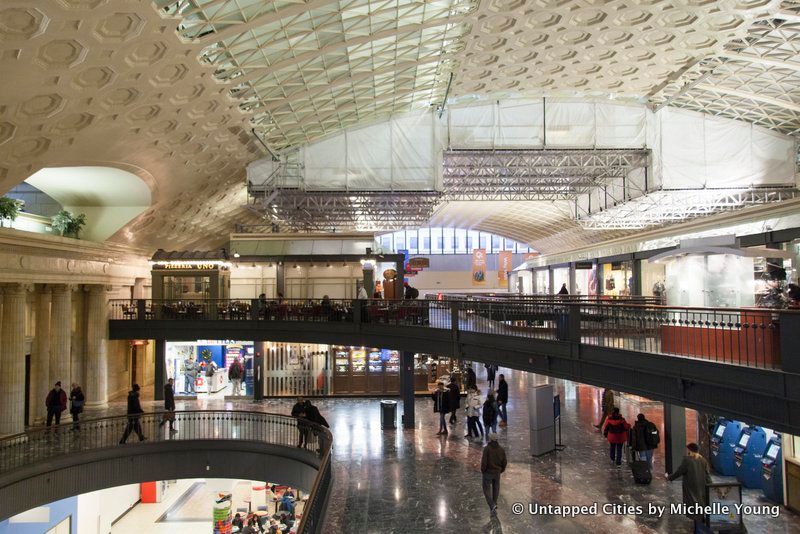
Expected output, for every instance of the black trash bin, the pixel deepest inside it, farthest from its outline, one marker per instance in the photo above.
(388, 414)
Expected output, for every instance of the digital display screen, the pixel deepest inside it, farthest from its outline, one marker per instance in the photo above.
(772, 452)
(744, 439)
(720, 431)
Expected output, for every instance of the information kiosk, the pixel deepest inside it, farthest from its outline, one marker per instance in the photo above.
(772, 470)
(748, 454)
(723, 442)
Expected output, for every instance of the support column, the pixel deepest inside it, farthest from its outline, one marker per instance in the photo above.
(12, 361)
(407, 388)
(40, 359)
(636, 275)
(280, 280)
(368, 279)
(674, 436)
(572, 283)
(258, 370)
(97, 347)
(61, 335)
(399, 289)
(161, 369)
(551, 281)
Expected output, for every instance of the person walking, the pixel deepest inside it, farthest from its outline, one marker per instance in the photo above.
(502, 400)
(489, 413)
(134, 416)
(493, 464)
(235, 372)
(77, 400)
(441, 405)
(56, 403)
(563, 290)
(695, 474)
(491, 372)
(644, 439)
(455, 399)
(169, 405)
(471, 380)
(607, 406)
(616, 431)
(473, 411)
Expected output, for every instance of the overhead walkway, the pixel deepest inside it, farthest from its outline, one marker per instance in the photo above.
(737, 362)
(48, 464)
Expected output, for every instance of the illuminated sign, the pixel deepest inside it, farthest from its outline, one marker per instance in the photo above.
(208, 265)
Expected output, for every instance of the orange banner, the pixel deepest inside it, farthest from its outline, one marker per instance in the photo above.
(503, 267)
(479, 267)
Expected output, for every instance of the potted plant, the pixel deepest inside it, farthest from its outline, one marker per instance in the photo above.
(68, 224)
(9, 209)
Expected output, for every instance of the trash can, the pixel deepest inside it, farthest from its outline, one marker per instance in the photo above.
(388, 414)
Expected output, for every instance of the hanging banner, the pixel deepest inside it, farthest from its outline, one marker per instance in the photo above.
(503, 267)
(479, 267)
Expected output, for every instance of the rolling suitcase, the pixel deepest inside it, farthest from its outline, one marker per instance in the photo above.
(640, 469)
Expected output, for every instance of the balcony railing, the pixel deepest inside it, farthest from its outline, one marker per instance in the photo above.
(740, 336)
(46, 444)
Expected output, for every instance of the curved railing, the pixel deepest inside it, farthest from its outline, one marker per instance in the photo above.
(48, 443)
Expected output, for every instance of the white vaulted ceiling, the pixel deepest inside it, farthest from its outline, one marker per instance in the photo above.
(170, 89)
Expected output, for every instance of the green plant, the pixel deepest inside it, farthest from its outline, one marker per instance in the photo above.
(68, 224)
(9, 209)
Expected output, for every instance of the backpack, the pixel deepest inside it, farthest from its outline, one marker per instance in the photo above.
(617, 427)
(651, 437)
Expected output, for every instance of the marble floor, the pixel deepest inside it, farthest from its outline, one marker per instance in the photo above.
(408, 481)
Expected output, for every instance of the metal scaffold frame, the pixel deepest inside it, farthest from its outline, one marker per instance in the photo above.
(542, 174)
(675, 205)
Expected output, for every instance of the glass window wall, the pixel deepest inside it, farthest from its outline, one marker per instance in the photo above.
(447, 240)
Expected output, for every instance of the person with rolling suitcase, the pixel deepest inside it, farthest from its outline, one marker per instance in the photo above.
(644, 439)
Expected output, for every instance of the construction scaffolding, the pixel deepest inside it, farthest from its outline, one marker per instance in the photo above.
(541, 174)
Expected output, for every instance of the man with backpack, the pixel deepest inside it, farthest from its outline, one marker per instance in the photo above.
(644, 439)
(235, 372)
(616, 431)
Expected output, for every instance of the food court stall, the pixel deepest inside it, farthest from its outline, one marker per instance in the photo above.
(191, 276)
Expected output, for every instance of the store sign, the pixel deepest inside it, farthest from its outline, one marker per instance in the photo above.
(479, 267)
(503, 267)
(416, 264)
(192, 266)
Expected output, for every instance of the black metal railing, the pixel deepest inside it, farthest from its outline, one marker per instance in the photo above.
(740, 336)
(47, 443)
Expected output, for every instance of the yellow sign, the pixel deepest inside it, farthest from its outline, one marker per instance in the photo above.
(479, 267)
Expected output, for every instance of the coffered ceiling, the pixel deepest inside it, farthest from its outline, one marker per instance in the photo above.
(170, 90)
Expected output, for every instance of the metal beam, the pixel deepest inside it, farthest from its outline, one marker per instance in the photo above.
(760, 60)
(261, 19)
(255, 73)
(751, 96)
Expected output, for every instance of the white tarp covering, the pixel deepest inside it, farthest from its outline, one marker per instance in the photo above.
(401, 153)
(259, 171)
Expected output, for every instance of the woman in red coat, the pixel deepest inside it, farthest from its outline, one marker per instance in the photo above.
(616, 431)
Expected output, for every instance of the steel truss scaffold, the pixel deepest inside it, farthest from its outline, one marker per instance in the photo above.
(665, 206)
(542, 174)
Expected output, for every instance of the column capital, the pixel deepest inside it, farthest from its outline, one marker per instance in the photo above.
(63, 288)
(97, 288)
(14, 287)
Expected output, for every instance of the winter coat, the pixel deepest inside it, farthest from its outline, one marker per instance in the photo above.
(313, 415)
(471, 380)
(493, 461)
(169, 398)
(608, 401)
(134, 406)
(441, 401)
(473, 407)
(489, 412)
(695, 474)
(490, 371)
(616, 429)
(639, 434)
(235, 371)
(78, 399)
(502, 392)
(455, 396)
(56, 400)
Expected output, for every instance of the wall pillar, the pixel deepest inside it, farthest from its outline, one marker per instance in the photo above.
(280, 279)
(551, 281)
(96, 347)
(40, 357)
(636, 275)
(12, 361)
(407, 388)
(61, 335)
(674, 436)
(160, 377)
(571, 285)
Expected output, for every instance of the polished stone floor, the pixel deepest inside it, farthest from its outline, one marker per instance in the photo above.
(414, 481)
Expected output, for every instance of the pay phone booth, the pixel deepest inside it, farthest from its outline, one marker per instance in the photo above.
(772, 470)
(723, 442)
(748, 453)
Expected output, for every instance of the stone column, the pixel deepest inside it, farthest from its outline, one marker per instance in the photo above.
(40, 359)
(61, 336)
(12, 360)
(674, 436)
(96, 347)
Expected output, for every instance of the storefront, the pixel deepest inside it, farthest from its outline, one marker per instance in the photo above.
(586, 278)
(617, 278)
(190, 276)
(560, 278)
(201, 367)
(541, 279)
